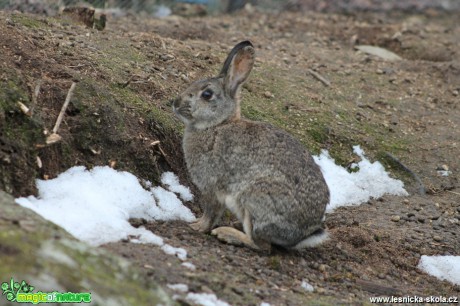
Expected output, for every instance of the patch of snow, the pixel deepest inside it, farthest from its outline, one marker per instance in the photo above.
(307, 287)
(170, 207)
(178, 287)
(444, 172)
(380, 52)
(171, 180)
(355, 188)
(162, 11)
(95, 206)
(205, 299)
(264, 304)
(442, 267)
(142, 235)
(189, 265)
(179, 252)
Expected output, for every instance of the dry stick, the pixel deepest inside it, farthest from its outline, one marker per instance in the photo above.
(319, 77)
(34, 97)
(64, 107)
(421, 188)
(162, 152)
(453, 192)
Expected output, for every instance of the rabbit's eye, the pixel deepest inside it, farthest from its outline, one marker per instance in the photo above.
(207, 94)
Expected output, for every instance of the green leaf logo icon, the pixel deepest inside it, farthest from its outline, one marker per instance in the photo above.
(5, 286)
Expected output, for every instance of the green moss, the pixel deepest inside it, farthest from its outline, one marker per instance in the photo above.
(130, 99)
(29, 21)
(274, 262)
(12, 91)
(18, 131)
(117, 58)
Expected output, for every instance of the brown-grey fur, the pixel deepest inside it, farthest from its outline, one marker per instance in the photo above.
(262, 174)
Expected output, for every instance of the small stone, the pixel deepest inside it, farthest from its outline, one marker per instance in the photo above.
(268, 95)
(238, 291)
(395, 218)
(320, 290)
(167, 57)
(322, 268)
(406, 201)
(437, 238)
(184, 78)
(421, 219)
(455, 92)
(307, 287)
(379, 71)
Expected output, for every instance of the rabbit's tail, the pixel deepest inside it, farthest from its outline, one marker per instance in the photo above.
(316, 238)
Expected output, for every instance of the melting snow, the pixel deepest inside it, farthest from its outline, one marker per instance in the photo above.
(307, 287)
(178, 287)
(189, 265)
(442, 267)
(95, 205)
(355, 188)
(205, 299)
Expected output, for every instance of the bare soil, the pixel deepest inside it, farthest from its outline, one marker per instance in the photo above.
(127, 73)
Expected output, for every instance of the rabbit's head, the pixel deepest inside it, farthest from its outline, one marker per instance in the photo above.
(209, 102)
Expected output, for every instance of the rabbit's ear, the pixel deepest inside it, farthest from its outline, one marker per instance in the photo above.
(237, 66)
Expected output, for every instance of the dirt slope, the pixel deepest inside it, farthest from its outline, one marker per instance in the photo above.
(406, 110)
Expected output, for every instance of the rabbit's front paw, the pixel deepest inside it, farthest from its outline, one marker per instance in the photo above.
(203, 225)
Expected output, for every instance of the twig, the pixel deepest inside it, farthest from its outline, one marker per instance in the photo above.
(377, 288)
(128, 81)
(157, 143)
(453, 192)
(64, 107)
(319, 77)
(421, 188)
(162, 152)
(24, 108)
(34, 97)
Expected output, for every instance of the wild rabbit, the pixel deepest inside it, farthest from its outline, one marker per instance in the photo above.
(260, 173)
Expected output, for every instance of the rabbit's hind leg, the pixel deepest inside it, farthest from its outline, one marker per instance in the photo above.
(233, 236)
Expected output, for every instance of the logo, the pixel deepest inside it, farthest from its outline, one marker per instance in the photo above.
(22, 292)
